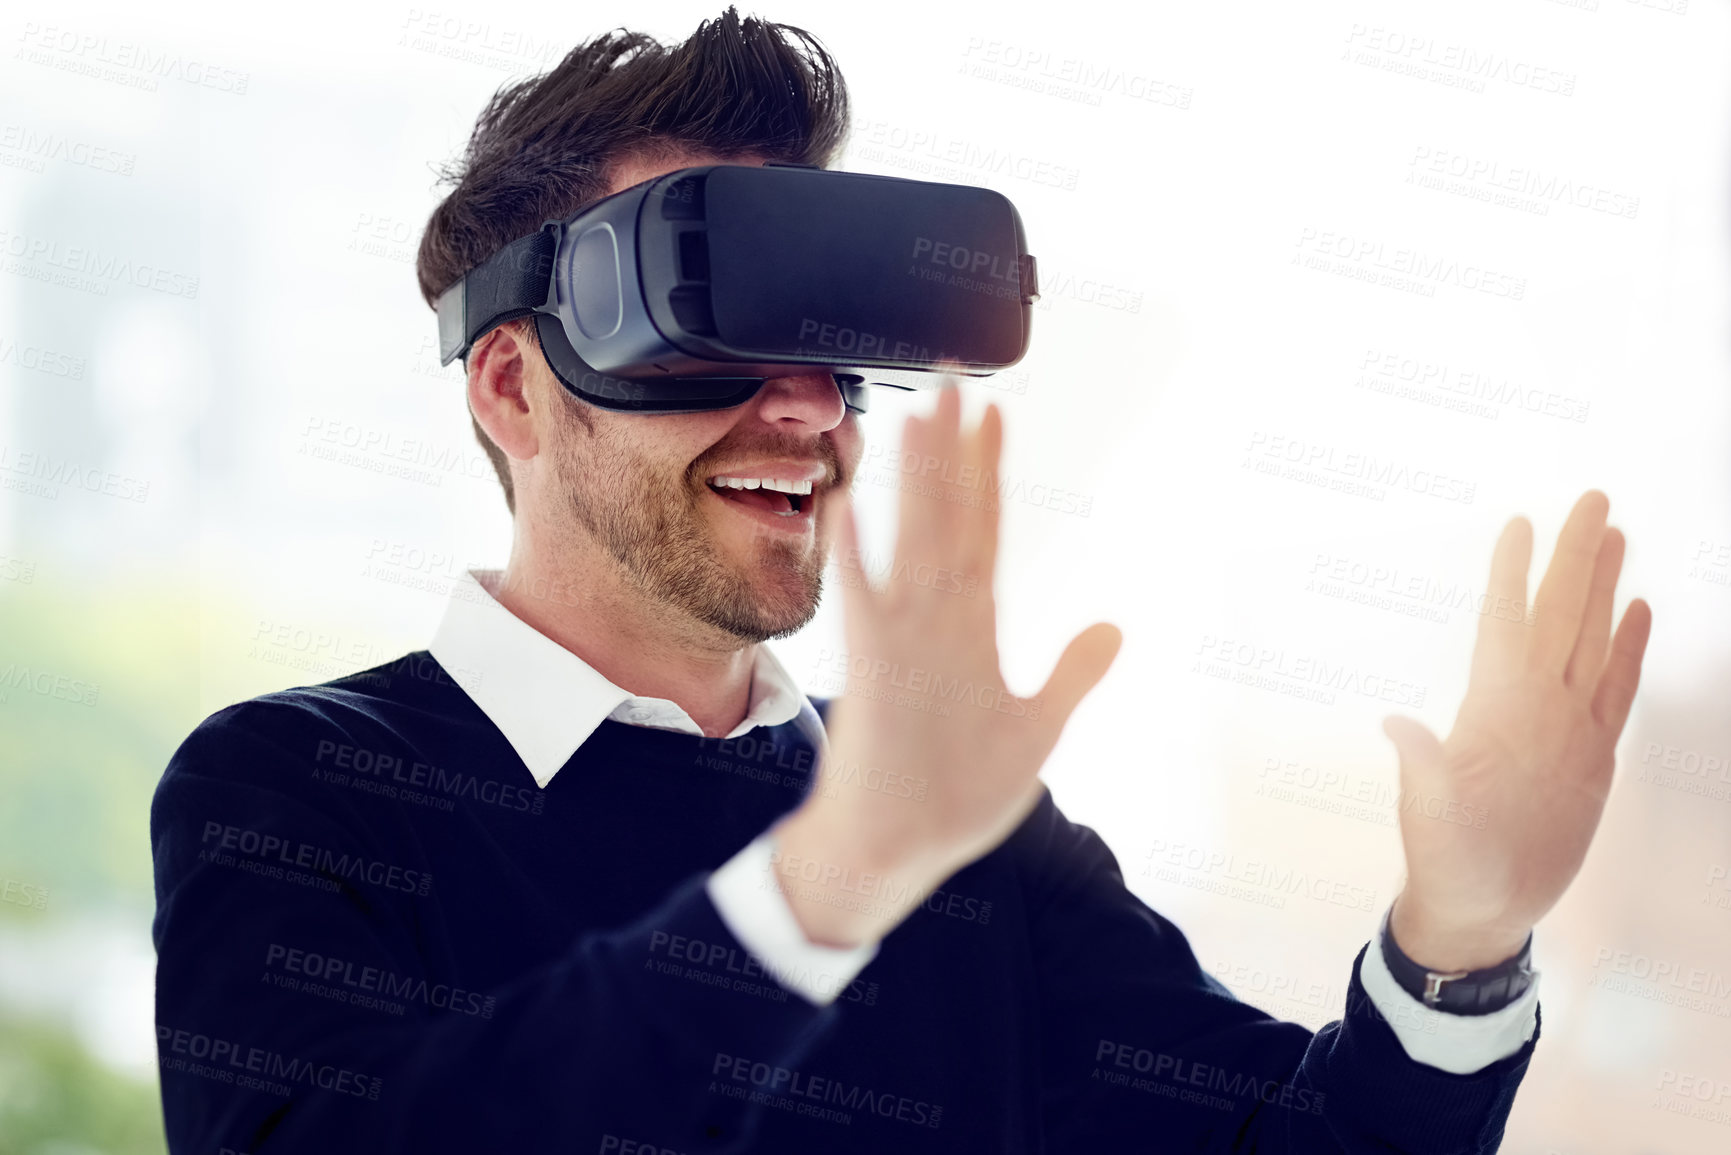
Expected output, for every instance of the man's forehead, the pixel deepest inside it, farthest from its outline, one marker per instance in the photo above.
(639, 167)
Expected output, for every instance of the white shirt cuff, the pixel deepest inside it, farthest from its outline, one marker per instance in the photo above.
(753, 907)
(1458, 1044)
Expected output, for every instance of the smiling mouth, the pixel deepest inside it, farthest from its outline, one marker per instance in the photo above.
(782, 498)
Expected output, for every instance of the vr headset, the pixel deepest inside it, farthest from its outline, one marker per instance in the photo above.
(688, 291)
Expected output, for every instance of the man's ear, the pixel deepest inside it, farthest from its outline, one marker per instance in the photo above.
(500, 368)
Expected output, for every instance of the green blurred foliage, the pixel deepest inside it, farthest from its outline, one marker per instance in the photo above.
(75, 787)
(55, 1099)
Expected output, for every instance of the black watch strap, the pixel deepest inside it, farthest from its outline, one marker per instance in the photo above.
(1461, 992)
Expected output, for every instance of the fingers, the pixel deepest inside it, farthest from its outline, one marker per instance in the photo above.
(949, 507)
(1589, 656)
(940, 472)
(859, 597)
(929, 526)
(1502, 636)
(913, 513)
(979, 544)
(1622, 674)
(1562, 596)
(1081, 666)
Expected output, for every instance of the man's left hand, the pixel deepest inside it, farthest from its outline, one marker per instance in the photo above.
(1531, 753)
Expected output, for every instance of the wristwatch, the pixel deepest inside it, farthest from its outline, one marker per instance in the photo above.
(1461, 992)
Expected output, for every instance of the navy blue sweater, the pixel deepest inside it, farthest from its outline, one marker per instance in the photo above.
(376, 934)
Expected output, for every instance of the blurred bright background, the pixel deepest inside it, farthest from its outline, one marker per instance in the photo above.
(1331, 292)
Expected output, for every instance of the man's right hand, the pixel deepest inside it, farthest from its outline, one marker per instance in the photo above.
(925, 703)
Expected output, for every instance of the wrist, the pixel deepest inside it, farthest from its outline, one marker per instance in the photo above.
(1444, 947)
(1476, 991)
(844, 891)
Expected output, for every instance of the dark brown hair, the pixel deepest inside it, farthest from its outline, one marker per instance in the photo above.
(544, 147)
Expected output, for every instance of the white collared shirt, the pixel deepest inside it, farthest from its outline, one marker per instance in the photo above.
(547, 701)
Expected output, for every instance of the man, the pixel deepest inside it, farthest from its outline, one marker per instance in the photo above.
(590, 874)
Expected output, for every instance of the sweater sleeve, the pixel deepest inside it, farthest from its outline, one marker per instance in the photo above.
(1141, 1046)
(600, 1050)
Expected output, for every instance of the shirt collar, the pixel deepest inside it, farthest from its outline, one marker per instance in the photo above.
(547, 701)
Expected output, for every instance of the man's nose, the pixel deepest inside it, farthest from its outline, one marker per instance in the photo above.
(812, 399)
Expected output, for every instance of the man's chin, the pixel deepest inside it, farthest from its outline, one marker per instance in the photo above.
(779, 607)
(772, 587)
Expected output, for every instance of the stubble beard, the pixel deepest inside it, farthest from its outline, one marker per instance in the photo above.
(653, 525)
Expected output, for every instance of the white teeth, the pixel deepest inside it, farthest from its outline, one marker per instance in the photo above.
(761, 483)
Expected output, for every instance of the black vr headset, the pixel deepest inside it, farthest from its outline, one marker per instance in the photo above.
(688, 291)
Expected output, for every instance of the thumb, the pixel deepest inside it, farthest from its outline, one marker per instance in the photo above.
(1081, 666)
(1420, 752)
